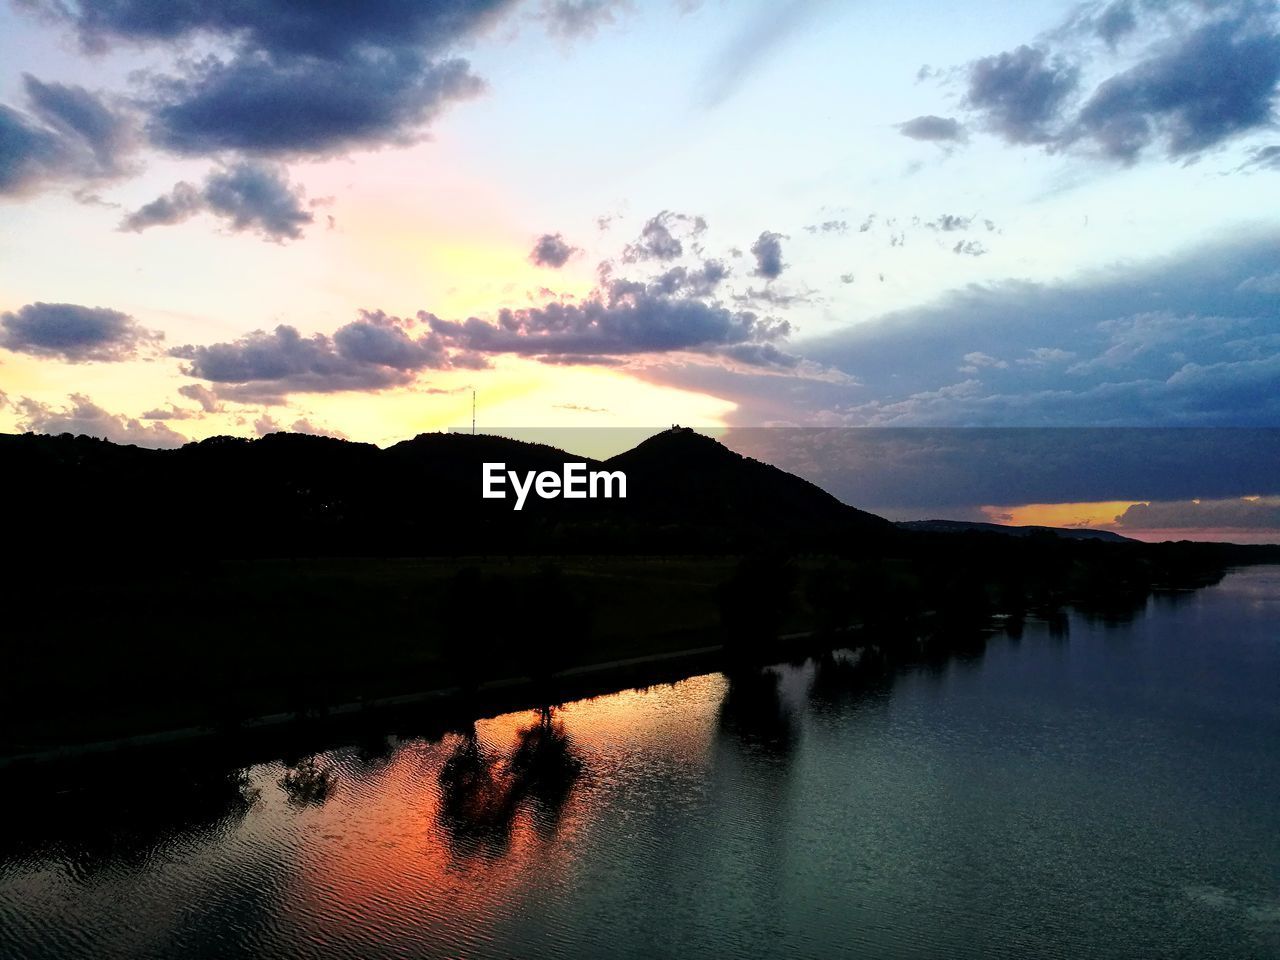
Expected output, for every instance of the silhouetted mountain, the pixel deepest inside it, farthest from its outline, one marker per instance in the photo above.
(298, 495)
(967, 526)
(680, 476)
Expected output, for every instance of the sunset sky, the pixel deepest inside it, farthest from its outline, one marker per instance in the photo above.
(340, 218)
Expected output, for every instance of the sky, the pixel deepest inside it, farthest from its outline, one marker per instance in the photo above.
(229, 218)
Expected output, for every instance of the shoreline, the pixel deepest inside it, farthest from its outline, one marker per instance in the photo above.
(442, 703)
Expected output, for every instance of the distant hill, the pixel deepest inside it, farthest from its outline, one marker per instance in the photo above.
(966, 526)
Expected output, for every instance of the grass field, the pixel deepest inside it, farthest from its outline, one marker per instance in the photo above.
(141, 650)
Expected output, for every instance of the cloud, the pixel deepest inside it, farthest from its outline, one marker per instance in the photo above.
(768, 253)
(1265, 158)
(623, 319)
(1265, 284)
(75, 112)
(303, 425)
(699, 282)
(202, 395)
(829, 226)
(771, 297)
(307, 106)
(572, 19)
(83, 417)
(173, 413)
(248, 196)
(70, 134)
(1217, 82)
(1252, 512)
(1043, 356)
(1020, 92)
(930, 471)
(933, 129)
(1210, 75)
(285, 79)
(949, 222)
(77, 334)
(976, 360)
(375, 352)
(659, 240)
(1181, 341)
(551, 250)
(1115, 22)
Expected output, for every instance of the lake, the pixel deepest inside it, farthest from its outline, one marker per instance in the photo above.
(1089, 788)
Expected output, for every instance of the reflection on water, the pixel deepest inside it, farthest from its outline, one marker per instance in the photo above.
(1100, 784)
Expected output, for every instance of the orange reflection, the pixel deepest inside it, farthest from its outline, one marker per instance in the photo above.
(398, 847)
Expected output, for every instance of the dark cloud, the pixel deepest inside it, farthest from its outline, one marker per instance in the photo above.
(74, 333)
(934, 129)
(1250, 512)
(290, 78)
(768, 253)
(76, 113)
(249, 195)
(551, 250)
(375, 352)
(1211, 77)
(623, 319)
(83, 417)
(699, 282)
(1217, 82)
(70, 134)
(256, 105)
(659, 239)
(1021, 93)
(284, 27)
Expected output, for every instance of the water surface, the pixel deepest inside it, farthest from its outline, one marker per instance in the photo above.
(1090, 788)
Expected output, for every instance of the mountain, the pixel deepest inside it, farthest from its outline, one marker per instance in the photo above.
(681, 476)
(966, 526)
(299, 495)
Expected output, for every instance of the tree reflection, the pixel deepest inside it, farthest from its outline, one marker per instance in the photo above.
(753, 711)
(475, 805)
(845, 678)
(308, 782)
(482, 793)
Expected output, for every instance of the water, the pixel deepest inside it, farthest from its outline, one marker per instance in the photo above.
(1110, 792)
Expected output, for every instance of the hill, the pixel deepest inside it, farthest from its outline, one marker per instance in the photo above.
(967, 526)
(286, 495)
